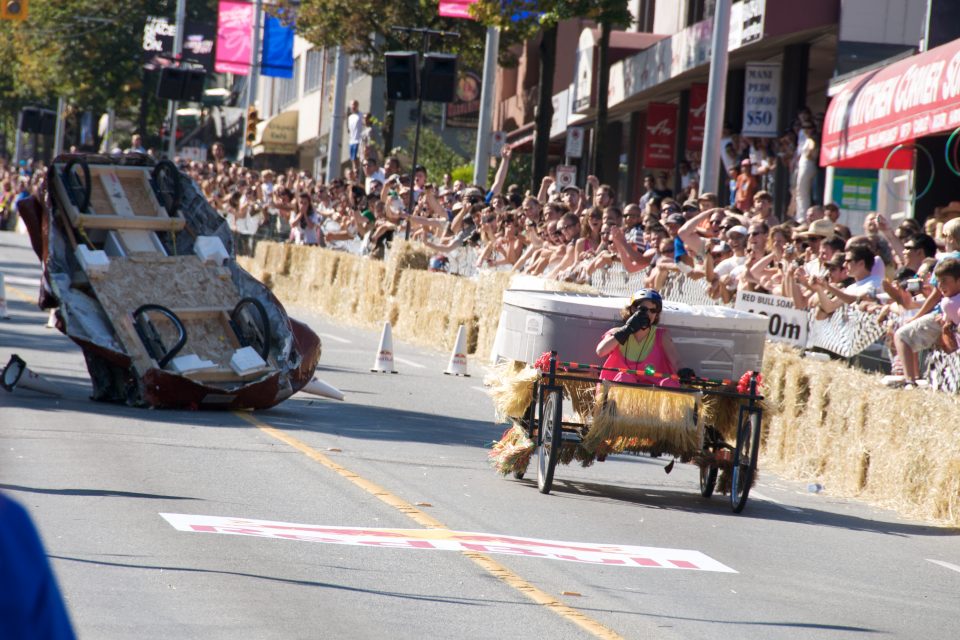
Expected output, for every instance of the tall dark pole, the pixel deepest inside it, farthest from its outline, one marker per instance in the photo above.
(424, 49)
(544, 116)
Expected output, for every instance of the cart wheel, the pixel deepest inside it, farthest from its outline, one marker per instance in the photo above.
(551, 436)
(708, 474)
(745, 460)
(708, 480)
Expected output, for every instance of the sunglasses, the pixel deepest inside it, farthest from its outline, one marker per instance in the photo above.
(565, 227)
(757, 233)
(647, 308)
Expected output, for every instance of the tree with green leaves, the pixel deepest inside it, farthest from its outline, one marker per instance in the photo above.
(364, 28)
(526, 19)
(88, 52)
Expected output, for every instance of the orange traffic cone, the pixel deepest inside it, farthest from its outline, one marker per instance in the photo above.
(383, 363)
(458, 359)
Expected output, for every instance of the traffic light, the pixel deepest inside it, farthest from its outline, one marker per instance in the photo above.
(253, 118)
(13, 9)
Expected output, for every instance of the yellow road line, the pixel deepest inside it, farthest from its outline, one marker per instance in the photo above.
(484, 561)
(20, 294)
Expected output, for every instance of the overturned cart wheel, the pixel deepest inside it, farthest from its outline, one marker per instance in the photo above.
(708, 472)
(745, 459)
(551, 438)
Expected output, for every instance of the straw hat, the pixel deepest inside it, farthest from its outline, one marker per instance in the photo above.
(822, 227)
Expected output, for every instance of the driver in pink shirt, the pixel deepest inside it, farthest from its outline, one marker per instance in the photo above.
(640, 343)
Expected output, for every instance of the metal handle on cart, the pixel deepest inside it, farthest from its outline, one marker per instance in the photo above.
(151, 338)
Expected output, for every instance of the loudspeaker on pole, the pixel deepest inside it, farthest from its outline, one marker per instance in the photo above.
(439, 80)
(401, 72)
(458, 359)
(383, 363)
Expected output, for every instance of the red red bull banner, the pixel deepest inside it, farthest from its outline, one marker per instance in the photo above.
(660, 136)
(696, 117)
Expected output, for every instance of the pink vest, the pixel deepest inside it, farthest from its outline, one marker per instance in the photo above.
(657, 358)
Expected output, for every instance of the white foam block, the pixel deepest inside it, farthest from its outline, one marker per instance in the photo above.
(210, 249)
(92, 260)
(191, 362)
(246, 360)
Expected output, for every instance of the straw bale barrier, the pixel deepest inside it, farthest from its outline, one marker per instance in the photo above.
(841, 427)
(825, 422)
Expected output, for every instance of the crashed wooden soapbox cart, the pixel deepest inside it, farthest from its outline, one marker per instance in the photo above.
(712, 422)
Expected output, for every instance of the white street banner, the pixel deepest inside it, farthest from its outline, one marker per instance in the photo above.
(786, 322)
(761, 98)
(445, 540)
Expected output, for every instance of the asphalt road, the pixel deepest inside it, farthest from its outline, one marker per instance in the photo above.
(408, 451)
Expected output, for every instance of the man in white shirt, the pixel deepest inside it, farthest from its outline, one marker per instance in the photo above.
(372, 173)
(859, 260)
(354, 133)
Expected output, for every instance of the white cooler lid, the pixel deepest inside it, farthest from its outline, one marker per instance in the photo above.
(599, 307)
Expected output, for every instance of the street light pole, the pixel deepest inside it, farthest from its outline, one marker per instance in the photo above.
(335, 145)
(177, 50)
(481, 160)
(251, 97)
(716, 96)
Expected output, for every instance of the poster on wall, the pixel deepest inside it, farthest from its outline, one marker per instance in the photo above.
(761, 99)
(696, 116)
(660, 136)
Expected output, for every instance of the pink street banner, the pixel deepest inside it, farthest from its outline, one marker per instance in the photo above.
(446, 540)
(234, 37)
(456, 8)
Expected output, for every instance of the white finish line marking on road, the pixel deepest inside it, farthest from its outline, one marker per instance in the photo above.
(409, 363)
(947, 565)
(330, 336)
(757, 494)
(446, 540)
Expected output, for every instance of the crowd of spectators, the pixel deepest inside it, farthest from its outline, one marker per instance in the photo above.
(570, 234)
(16, 183)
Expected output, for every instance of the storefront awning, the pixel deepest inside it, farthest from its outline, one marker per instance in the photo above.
(278, 134)
(897, 104)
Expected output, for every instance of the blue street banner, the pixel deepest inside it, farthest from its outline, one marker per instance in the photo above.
(277, 58)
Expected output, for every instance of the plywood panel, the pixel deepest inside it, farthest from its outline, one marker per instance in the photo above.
(172, 282)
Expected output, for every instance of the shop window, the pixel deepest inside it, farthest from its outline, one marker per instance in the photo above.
(699, 10)
(645, 16)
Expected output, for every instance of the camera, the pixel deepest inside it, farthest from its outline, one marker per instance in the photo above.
(912, 285)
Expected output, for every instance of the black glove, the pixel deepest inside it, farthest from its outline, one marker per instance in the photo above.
(637, 321)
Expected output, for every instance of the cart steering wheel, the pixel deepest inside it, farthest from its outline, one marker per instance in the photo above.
(70, 181)
(166, 183)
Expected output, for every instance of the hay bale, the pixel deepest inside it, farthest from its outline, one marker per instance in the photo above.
(405, 256)
(839, 426)
(432, 306)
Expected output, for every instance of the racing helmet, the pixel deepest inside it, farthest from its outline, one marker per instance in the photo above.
(648, 294)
